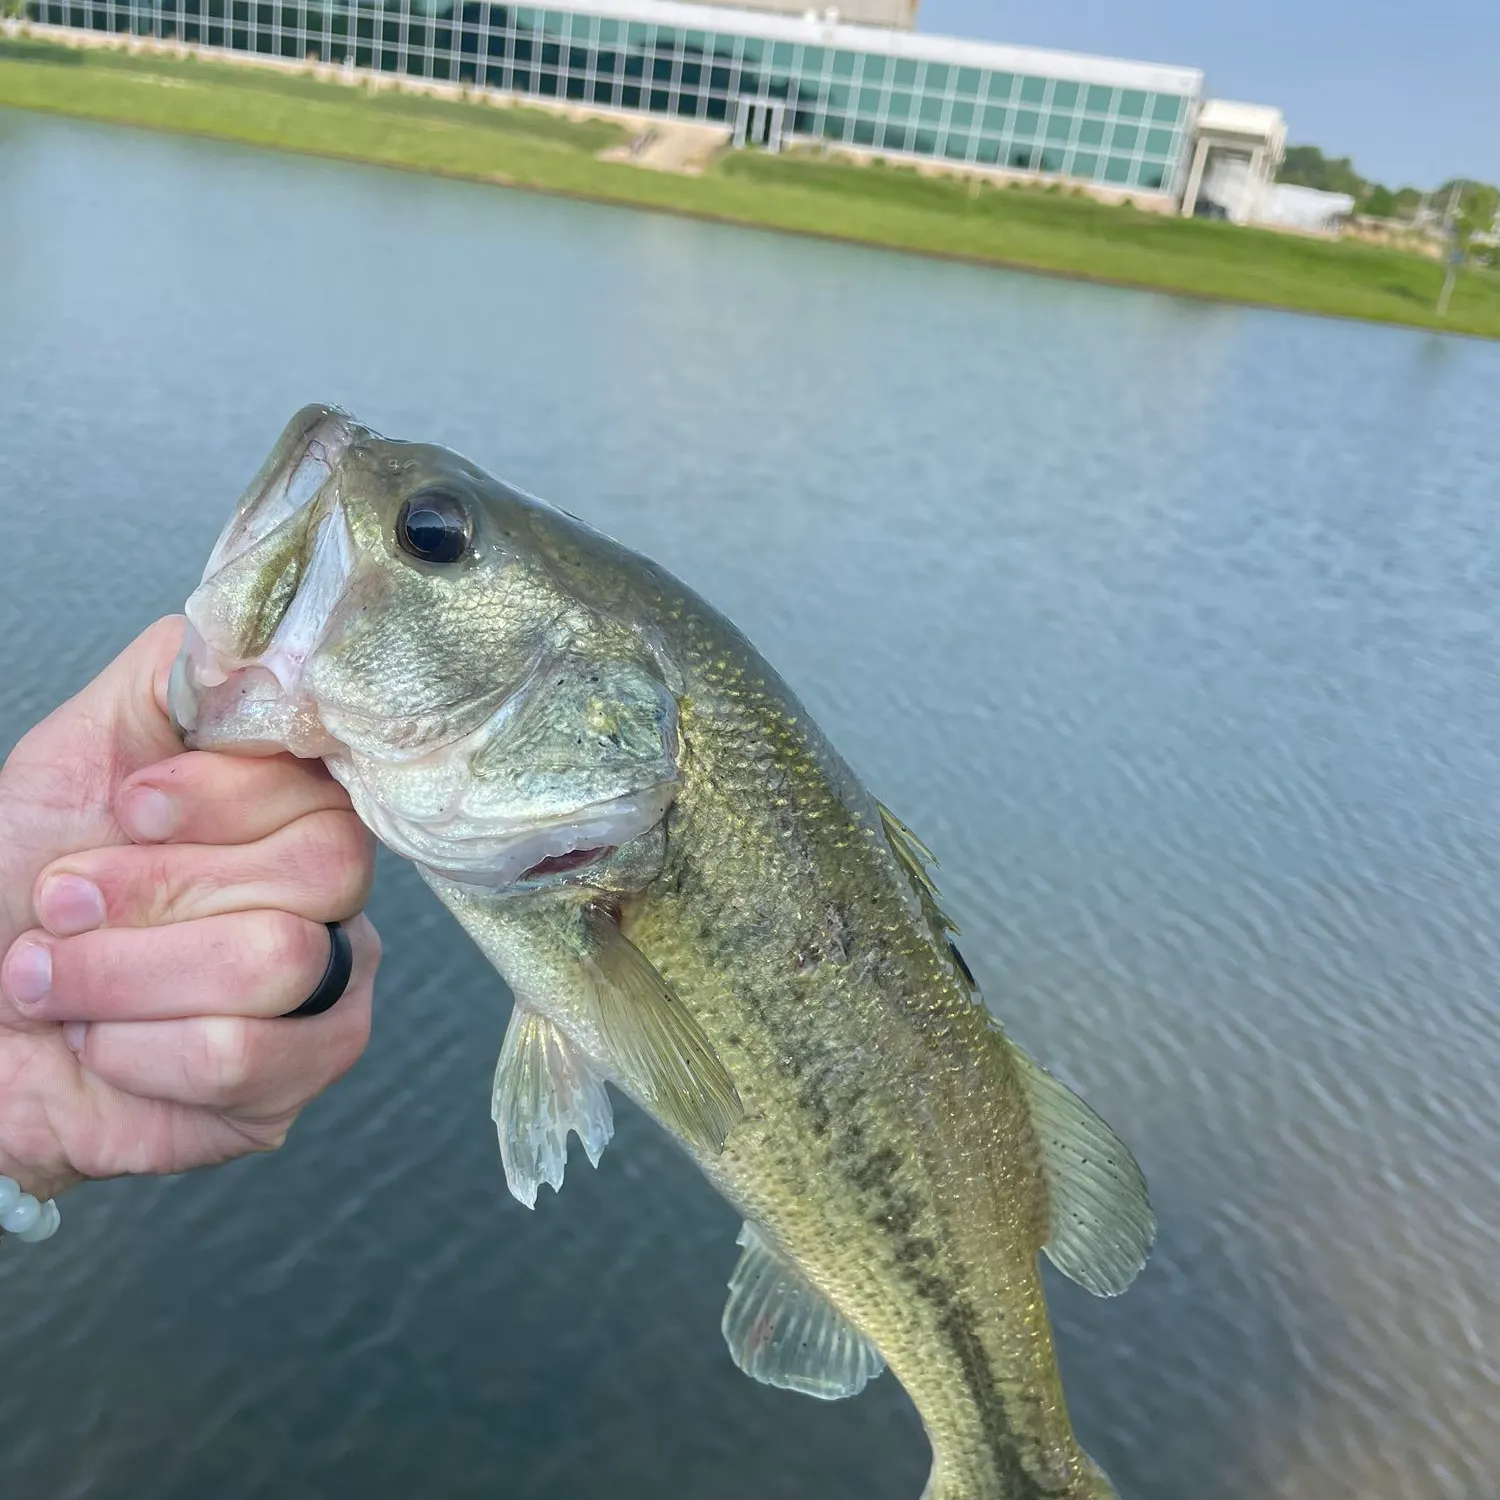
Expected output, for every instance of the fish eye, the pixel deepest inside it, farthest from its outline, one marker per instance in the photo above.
(435, 526)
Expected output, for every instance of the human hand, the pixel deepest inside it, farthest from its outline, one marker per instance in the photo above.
(158, 911)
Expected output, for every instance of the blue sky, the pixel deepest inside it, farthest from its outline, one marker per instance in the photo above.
(1411, 91)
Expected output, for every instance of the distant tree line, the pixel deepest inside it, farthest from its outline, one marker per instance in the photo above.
(1478, 202)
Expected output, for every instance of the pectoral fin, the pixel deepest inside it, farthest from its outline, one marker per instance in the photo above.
(609, 1016)
(544, 1087)
(659, 1050)
(782, 1331)
(1100, 1222)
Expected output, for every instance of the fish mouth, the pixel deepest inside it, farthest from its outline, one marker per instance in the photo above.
(301, 463)
(220, 699)
(566, 864)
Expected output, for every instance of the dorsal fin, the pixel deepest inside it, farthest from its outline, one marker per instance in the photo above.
(1100, 1224)
(918, 861)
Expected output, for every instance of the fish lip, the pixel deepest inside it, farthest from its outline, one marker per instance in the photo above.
(302, 463)
(291, 481)
(244, 712)
(183, 685)
(552, 865)
(205, 673)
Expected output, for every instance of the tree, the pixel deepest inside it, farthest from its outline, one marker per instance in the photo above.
(1478, 204)
(1306, 166)
(1408, 201)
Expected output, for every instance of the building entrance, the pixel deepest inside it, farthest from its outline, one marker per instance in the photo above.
(760, 122)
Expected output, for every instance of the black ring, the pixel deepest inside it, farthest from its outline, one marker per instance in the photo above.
(335, 978)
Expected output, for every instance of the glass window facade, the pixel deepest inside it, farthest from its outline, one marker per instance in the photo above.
(843, 95)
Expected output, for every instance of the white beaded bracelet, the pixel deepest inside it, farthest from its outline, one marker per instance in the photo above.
(24, 1217)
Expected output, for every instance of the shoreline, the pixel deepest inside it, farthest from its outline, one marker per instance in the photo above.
(795, 194)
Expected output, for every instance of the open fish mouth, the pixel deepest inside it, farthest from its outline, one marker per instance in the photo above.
(221, 696)
(300, 465)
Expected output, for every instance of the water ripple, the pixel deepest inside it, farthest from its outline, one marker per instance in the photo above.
(1170, 627)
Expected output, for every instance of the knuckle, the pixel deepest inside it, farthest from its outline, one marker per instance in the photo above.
(338, 853)
(226, 1056)
(141, 884)
(289, 950)
(84, 970)
(162, 888)
(367, 945)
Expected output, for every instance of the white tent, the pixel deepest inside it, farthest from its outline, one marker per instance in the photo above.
(1310, 209)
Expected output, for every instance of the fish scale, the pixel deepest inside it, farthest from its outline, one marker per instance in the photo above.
(858, 1044)
(694, 900)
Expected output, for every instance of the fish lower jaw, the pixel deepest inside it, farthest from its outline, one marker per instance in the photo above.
(248, 713)
(241, 708)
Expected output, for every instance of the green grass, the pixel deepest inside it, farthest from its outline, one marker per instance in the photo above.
(1032, 228)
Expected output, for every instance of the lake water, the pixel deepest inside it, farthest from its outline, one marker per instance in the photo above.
(1171, 627)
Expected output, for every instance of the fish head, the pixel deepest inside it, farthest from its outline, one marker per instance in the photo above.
(426, 631)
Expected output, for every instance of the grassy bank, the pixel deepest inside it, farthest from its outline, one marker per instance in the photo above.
(541, 149)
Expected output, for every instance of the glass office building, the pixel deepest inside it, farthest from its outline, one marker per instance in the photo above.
(767, 78)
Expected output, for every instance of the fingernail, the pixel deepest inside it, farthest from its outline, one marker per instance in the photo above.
(75, 1033)
(149, 816)
(69, 904)
(28, 972)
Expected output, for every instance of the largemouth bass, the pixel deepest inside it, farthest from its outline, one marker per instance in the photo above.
(693, 899)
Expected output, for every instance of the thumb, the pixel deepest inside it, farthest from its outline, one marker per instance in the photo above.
(58, 786)
(128, 700)
(119, 722)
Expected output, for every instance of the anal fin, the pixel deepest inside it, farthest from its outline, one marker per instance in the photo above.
(544, 1088)
(1100, 1225)
(782, 1331)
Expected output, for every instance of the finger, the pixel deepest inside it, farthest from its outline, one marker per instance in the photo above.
(249, 1070)
(101, 1131)
(129, 697)
(61, 777)
(319, 867)
(115, 724)
(117, 1134)
(249, 964)
(201, 797)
